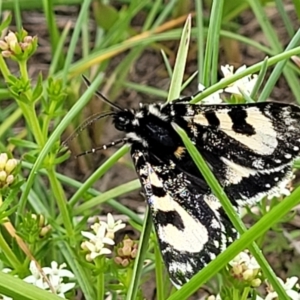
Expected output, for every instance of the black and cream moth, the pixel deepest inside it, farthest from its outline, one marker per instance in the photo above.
(250, 149)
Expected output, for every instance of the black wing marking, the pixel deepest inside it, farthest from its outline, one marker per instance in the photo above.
(190, 223)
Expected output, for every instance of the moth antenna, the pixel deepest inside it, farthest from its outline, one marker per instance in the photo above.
(103, 147)
(91, 119)
(101, 96)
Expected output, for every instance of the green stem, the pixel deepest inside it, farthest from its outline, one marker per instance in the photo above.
(29, 109)
(62, 203)
(23, 69)
(100, 277)
(9, 254)
(160, 284)
(245, 293)
(4, 69)
(139, 260)
(29, 114)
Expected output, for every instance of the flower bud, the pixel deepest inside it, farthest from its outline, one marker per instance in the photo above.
(248, 274)
(45, 230)
(10, 165)
(125, 262)
(3, 45)
(28, 39)
(11, 38)
(83, 246)
(133, 253)
(88, 257)
(10, 179)
(6, 53)
(118, 260)
(3, 160)
(3, 176)
(256, 282)
(237, 270)
(126, 251)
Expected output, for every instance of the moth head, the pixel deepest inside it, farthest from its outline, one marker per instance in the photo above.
(124, 120)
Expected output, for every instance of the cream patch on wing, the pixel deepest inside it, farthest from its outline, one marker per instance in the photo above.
(193, 236)
(235, 173)
(264, 140)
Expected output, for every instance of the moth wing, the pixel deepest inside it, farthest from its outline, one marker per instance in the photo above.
(191, 227)
(250, 148)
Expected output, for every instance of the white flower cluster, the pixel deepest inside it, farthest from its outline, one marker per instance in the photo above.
(245, 85)
(289, 287)
(103, 235)
(247, 267)
(244, 267)
(7, 166)
(55, 275)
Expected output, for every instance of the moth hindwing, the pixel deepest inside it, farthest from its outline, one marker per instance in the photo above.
(250, 149)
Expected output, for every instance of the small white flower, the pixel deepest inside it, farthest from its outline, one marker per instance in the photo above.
(253, 264)
(213, 98)
(112, 226)
(246, 84)
(56, 274)
(246, 259)
(288, 287)
(241, 258)
(36, 277)
(63, 288)
(96, 242)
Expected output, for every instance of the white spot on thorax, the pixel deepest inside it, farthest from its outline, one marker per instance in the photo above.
(156, 112)
(139, 114)
(135, 122)
(132, 136)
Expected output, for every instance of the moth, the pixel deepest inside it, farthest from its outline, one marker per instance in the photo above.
(250, 148)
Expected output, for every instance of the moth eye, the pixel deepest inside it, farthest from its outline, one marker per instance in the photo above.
(123, 120)
(121, 123)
